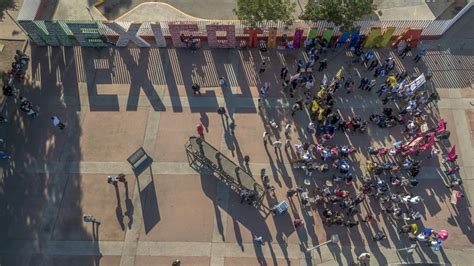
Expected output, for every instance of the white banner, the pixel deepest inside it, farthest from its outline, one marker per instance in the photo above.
(418, 82)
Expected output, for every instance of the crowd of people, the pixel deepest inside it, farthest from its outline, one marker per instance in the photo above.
(391, 171)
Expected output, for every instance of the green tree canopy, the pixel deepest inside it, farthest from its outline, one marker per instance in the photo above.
(342, 12)
(253, 12)
(5, 5)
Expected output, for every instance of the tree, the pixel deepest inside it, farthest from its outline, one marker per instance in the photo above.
(253, 12)
(342, 12)
(6, 5)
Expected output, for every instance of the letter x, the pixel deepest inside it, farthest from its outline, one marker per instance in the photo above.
(130, 35)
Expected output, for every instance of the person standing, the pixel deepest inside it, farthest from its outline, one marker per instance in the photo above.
(371, 85)
(420, 54)
(406, 50)
(373, 65)
(259, 240)
(196, 88)
(287, 130)
(368, 218)
(263, 67)
(299, 65)
(87, 218)
(284, 73)
(277, 144)
(57, 122)
(363, 82)
(200, 129)
(311, 127)
(323, 64)
(222, 82)
(266, 138)
(364, 259)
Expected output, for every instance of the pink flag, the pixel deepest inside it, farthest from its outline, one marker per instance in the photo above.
(452, 152)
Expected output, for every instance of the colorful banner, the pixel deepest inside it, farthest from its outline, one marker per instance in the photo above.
(214, 42)
(312, 33)
(374, 34)
(342, 39)
(272, 36)
(327, 34)
(354, 39)
(387, 35)
(297, 38)
(253, 35)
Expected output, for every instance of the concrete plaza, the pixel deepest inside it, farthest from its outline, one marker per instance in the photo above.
(116, 100)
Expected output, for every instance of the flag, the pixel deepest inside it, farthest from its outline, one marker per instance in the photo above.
(325, 80)
(339, 74)
(452, 152)
(314, 106)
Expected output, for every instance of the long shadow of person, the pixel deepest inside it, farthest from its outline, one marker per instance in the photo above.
(95, 231)
(129, 207)
(118, 209)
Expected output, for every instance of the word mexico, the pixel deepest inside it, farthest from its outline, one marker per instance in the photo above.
(97, 34)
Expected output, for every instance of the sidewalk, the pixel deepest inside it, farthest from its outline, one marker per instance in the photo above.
(140, 10)
(10, 31)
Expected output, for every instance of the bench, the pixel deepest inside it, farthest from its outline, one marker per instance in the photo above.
(138, 157)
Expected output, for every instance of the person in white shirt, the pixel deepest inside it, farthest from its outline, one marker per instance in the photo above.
(287, 130)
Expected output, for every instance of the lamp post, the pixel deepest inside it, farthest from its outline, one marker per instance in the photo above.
(90, 13)
(334, 239)
(18, 25)
(99, 27)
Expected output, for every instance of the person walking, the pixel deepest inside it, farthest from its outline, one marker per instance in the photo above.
(364, 259)
(57, 122)
(263, 67)
(323, 64)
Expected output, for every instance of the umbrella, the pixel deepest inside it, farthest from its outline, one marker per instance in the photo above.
(443, 234)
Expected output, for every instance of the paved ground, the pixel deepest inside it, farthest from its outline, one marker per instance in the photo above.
(115, 100)
(222, 9)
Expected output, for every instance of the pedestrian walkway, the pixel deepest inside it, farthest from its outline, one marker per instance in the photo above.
(116, 100)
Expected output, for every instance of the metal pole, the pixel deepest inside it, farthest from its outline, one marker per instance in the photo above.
(315, 247)
(18, 25)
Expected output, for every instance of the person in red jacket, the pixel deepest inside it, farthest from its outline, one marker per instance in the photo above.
(200, 129)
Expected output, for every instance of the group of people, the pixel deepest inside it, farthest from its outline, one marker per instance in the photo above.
(389, 182)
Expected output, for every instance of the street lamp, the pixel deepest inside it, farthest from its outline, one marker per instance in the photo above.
(90, 13)
(334, 239)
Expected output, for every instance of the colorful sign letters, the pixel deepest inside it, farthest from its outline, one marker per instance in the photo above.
(95, 33)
